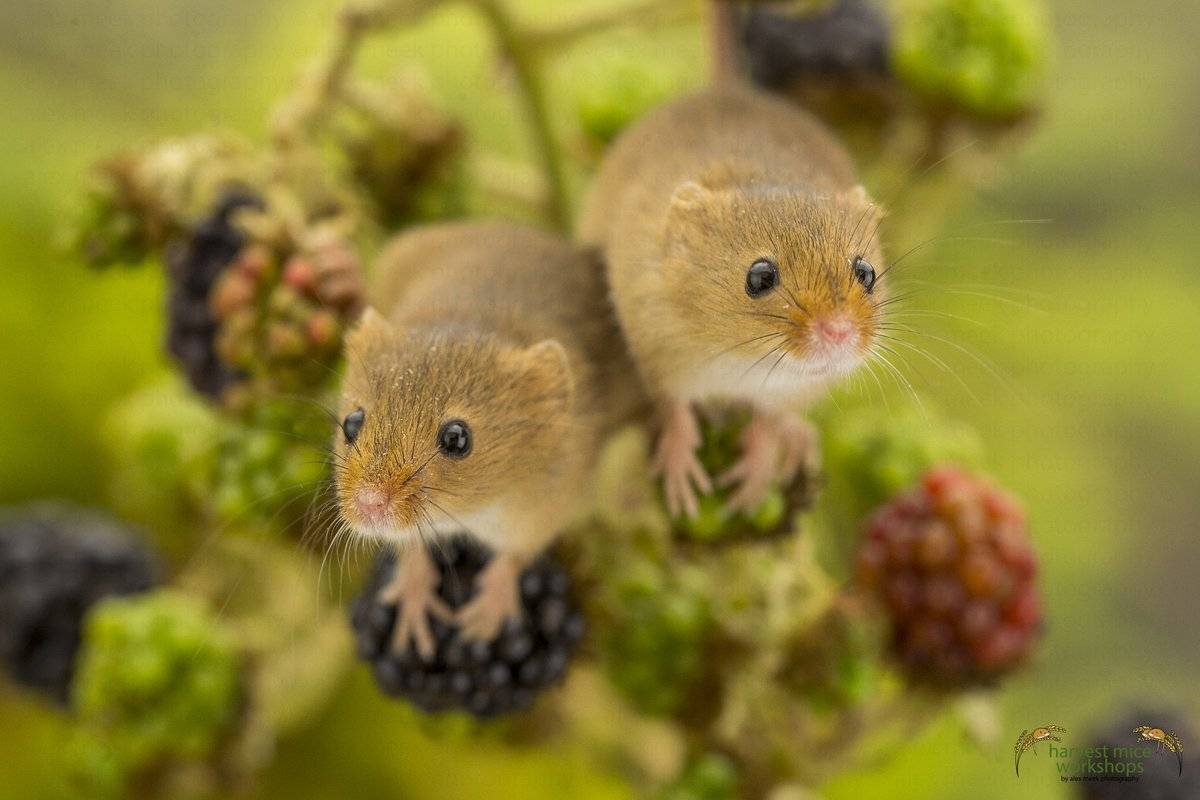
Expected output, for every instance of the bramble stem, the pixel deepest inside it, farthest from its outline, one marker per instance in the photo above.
(533, 97)
(643, 14)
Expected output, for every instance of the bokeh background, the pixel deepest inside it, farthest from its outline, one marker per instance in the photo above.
(1081, 327)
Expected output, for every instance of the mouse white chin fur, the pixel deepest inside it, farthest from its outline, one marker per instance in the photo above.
(763, 381)
(485, 525)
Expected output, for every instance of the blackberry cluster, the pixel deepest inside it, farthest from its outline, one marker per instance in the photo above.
(849, 39)
(281, 311)
(952, 562)
(486, 679)
(193, 268)
(54, 565)
(1162, 778)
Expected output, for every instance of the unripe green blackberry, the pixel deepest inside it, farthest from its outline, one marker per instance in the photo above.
(654, 646)
(1165, 776)
(719, 450)
(871, 456)
(610, 99)
(268, 461)
(985, 56)
(161, 444)
(485, 679)
(952, 563)
(832, 665)
(55, 564)
(157, 679)
(710, 777)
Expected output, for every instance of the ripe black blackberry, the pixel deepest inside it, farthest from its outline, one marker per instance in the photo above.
(846, 43)
(485, 679)
(55, 562)
(193, 266)
(1162, 778)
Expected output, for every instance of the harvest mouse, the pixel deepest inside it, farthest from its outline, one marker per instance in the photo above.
(744, 266)
(477, 391)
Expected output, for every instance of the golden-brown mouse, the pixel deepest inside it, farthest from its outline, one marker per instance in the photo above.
(744, 265)
(477, 391)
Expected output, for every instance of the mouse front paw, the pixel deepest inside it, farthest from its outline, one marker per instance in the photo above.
(496, 600)
(773, 450)
(413, 590)
(676, 461)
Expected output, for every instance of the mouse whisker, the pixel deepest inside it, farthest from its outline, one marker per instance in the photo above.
(763, 358)
(903, 381)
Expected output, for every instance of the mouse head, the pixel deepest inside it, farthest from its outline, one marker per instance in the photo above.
(437, 427)
(775, 273)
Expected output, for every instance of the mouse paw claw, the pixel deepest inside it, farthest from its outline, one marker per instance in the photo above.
(413, 590)
(496, 601)
(675, 460)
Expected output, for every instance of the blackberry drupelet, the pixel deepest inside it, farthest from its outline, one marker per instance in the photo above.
(193, 267)
(486, 679)
(55, 563)
(1162, 778)
(952, 562)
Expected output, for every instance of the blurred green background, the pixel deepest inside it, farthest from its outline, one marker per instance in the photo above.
(1092, 412)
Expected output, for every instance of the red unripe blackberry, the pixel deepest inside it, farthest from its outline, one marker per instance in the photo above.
(953, 567)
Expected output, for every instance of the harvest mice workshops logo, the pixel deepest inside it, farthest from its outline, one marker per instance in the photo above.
(1028, 741)
(1167, 741)
(1102, 762)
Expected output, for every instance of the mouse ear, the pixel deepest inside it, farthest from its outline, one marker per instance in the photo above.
(370, 324)
(688, 198)
(859, 196)
(548, 362)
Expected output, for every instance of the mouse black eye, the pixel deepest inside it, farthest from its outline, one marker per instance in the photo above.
(352, 424)
(454, 439)
(761, 278)
(864, 273)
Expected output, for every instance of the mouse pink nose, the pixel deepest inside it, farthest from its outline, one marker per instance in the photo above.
(371, 502)
(835, 330)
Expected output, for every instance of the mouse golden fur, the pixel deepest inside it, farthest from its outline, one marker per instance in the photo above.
(742, 257)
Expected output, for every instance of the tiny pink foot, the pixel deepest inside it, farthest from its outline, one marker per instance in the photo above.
(496, 601)
(758, 468)
(413, 589)
(801, 446)
(675, 459)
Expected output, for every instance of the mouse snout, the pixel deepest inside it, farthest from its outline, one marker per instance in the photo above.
(372, 502)
(835, 330)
